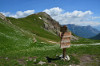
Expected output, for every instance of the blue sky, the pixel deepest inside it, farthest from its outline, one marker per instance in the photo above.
(79, 12)
(40, 5)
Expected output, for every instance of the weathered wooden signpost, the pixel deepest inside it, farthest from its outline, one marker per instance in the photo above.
(65, 39)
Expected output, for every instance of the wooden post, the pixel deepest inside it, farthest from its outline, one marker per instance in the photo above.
(64, 53)
(65, 40)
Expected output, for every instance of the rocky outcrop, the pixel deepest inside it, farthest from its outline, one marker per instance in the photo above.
(2, 16)
(50, 24)
(73, 38)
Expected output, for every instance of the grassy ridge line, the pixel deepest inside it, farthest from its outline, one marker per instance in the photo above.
(21, 31)
(34, 25)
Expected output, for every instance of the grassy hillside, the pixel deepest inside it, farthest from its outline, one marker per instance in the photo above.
(11, 39)
(17, 47)
(34, 25)
(82, 40)
(85, 41)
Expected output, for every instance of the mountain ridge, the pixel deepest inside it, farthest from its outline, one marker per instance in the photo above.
(97, 37)
(40, 24)
(83, 31)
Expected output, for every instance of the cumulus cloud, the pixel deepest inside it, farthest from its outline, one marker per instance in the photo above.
(95, 17)
(19, 14)
(5, 13)
(53, 11)
(75, 17)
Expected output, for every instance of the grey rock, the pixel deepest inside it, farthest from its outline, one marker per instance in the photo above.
(34, 39)
(2, 16)
(73, 38)
(6, 58)
(34, 60)
(41, 62)
(50, 24)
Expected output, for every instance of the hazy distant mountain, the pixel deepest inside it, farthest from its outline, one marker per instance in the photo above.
(97, 27)
(97, 37)
(83, 31)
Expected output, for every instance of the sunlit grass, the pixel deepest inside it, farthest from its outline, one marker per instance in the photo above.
(17, 43)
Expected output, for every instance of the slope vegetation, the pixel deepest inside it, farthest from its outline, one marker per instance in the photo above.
(17, 46)
(35, 25)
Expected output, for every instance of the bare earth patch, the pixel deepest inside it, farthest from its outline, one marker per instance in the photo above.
(88, 60)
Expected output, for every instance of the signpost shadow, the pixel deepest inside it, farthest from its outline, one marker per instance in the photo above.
(53, 59)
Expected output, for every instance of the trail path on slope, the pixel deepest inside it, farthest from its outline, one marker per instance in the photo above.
(84, 44)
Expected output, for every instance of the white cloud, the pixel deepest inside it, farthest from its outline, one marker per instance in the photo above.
(75, 17)
(5, 13)
(19, 14)
(53, 11)
(95, 17)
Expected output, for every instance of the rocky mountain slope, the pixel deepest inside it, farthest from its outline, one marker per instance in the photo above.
(39, 27)
(83, 31)
(2, 16)
(49, 24)
(32, 27)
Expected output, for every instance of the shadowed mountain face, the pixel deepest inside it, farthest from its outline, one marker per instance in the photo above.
(83, 31)
(97, 37)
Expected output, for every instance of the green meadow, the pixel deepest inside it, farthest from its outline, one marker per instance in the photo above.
(17, 47)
